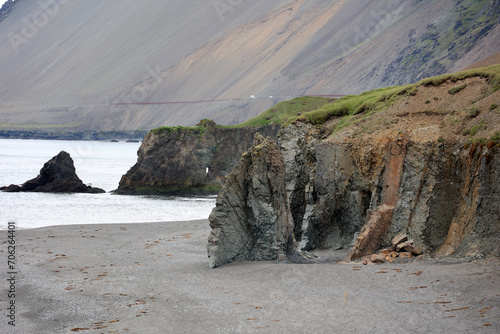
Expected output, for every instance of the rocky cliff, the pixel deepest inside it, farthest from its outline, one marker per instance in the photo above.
(403, 170)
(253, 219)
(189, 161)
(442, 196)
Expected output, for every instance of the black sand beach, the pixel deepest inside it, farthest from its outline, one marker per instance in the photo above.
(154, 278)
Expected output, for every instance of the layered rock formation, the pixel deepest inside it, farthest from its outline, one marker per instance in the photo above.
(443, 196)
(58, 175)
(252, 219)
(178, 160)
(361, 194)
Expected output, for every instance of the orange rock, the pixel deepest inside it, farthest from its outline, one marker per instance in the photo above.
(368, 262)
(409, 246)
(385, 251)
(402, 246)
(405, 254)
(373, 233)
(415, 250)
(377, 258)
(399, 239)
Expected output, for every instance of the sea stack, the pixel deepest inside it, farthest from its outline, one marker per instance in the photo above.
(58, 175)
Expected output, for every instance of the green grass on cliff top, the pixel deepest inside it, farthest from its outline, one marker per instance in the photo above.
(318, 110)
(379, 99)
(282, 112)
(168, 130)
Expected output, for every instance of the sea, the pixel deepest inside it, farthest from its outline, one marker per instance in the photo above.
(97, 163)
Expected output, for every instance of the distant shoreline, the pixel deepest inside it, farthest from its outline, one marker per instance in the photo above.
(98, 135)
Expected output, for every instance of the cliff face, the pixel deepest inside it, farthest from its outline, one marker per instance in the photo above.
(261, 232)
(360, 194)
(443, 196)
(174, 161)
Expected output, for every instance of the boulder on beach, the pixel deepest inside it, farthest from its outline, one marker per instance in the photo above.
(58, 175)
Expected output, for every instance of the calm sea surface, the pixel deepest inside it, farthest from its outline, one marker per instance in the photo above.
(100, 164)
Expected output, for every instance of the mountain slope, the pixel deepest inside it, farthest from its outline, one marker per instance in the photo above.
(95, 64)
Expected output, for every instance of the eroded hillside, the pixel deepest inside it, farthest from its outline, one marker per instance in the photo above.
(100, 65)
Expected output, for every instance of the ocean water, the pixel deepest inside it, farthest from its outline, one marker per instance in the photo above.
(100, 164)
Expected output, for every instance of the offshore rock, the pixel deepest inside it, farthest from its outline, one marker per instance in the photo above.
(58, 175)
(252, 219)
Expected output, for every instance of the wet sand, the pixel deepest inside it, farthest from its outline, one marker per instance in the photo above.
(154, 278)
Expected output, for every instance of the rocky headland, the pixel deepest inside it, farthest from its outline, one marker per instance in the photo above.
(360, 196)
(189, 160)
(58, 175)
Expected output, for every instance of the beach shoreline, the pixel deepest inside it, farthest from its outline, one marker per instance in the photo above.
(154, 278)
